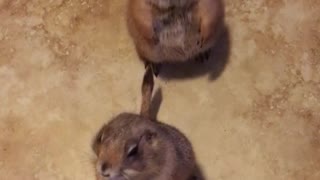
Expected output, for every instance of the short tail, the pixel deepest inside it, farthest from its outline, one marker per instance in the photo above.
(146, 90)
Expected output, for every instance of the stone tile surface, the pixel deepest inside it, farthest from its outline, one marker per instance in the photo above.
(68, 66)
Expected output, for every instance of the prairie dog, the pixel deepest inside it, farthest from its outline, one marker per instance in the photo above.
(135, 147)
(165, 31)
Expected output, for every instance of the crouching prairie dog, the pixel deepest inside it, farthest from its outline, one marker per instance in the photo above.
(173, 31)
(135, 147)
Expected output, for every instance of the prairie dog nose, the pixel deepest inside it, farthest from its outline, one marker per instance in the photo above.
(111, 174)
(104, 169)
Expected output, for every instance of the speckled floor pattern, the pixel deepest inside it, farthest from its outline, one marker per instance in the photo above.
(252, 112)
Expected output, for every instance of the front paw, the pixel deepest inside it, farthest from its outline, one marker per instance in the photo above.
(202, 57)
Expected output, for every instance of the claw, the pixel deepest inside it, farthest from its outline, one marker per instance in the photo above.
(206, 55)
(199, 29)
(199, 58)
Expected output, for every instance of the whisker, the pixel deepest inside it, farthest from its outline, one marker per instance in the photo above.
(125, 176)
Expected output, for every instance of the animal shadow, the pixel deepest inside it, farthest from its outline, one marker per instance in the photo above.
(199, 174)
(214, 66)
(155, 107)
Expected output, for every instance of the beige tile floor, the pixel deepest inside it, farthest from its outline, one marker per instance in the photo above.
(252, 113)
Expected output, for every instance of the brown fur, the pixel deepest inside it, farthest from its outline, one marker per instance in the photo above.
(134, 147)
(167, 155)
(173, 30)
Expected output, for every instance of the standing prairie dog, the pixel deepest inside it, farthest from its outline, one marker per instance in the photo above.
(166, 31)
(135, 147)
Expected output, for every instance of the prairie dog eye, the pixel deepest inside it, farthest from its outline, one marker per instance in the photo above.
(132, 151)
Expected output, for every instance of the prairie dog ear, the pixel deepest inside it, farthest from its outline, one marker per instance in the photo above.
(148, 137)
(98, 139)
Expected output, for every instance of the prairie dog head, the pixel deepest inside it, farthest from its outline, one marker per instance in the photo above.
(128, 148)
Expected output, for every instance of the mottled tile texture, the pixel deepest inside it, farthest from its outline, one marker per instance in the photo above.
(67, 66)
